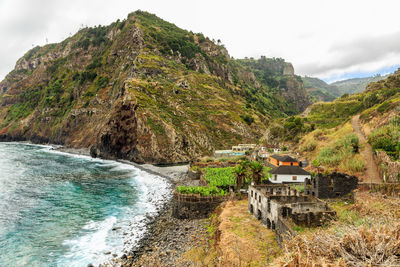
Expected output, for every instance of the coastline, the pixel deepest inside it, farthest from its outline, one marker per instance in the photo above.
(166, 237)
(173, 173)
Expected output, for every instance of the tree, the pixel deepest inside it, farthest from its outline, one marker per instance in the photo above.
(240, 172)
(257, 170)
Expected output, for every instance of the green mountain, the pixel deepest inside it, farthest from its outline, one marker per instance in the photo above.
(320, 90)
(145, 90)
(379, 98)
(356, 85)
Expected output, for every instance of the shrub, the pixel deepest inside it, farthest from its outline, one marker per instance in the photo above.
(309, 145)
(247, 118)
(385, 106)
(353, 165)
(329, 156)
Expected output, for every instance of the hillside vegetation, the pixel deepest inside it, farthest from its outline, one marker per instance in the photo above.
(356, 85)
(320, 90)
(325, 136)
(145, 90)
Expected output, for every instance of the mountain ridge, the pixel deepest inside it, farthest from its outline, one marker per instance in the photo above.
(145, 90)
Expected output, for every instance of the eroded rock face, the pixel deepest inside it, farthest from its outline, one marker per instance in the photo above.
(126, 136)
(119, 140)
(288, 69)
(294, 92)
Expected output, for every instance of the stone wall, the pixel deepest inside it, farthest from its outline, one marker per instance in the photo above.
(388, 169)
(283, 231)
(274, 204)
(332, 185)
(194, 206)
(313, 219)
(389, 189)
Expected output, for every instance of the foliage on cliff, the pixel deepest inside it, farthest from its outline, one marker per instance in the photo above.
(141, 89)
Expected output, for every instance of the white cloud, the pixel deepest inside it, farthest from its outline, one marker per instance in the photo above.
(321, 38)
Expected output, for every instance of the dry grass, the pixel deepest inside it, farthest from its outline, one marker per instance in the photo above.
(242, 240)
(311, 145)
(366, 234)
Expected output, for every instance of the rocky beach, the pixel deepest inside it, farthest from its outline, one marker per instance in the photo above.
(166, 238)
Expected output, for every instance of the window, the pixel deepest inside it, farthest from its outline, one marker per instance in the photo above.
(255, 196)
(259, 199)
(294, 178)
(275, 177)
(291, 163)
(251, 193)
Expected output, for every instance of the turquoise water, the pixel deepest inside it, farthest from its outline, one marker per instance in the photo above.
(58, 209)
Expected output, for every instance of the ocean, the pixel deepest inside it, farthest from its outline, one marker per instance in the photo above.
(59, 209)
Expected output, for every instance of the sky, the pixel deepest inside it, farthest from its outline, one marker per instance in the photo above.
(331, 40)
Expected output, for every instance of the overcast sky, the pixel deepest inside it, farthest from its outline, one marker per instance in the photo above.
(330, 40)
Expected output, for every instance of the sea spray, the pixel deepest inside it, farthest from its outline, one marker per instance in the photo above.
(71, 210)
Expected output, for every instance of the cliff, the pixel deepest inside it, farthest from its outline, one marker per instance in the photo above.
(145, 90)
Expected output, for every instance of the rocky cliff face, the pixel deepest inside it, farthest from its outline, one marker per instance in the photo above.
(143, 90)
(279, 76)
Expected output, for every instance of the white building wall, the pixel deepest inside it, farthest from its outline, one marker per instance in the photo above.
(288, 178)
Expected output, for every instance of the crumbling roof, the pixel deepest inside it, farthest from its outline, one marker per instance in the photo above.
(284, 158)
(289, 170)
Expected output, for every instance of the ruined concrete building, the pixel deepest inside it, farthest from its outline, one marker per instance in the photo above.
(280, 207)
(331, 185)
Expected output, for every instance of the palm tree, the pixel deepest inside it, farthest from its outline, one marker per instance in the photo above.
(240, 172)
(257, 170)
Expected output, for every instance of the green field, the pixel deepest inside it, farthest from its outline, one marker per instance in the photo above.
(220, 176)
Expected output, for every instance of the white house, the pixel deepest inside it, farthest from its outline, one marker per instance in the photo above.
(289, 174)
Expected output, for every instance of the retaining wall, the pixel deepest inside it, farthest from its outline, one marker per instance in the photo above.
(389, 189)
(194, 206)
(388, 169)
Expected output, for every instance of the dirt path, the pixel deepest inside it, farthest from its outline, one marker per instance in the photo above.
(371, 174)
(244, 240)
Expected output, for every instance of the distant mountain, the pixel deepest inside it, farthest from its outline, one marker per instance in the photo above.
(356, 85)
(320, 90)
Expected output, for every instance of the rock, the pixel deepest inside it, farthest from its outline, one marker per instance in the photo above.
(90, 265)
(107, 253)
(116, 228)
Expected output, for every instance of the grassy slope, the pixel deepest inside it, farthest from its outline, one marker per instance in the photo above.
(327, 124)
